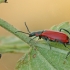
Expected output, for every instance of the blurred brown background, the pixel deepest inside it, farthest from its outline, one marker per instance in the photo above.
(39, 15)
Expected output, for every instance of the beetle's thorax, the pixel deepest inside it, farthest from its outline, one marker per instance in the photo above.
(37, 33)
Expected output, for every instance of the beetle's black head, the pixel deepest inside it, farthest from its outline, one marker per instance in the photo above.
(32, 34)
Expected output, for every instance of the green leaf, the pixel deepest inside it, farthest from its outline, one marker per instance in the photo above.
(13, 45)
(43, 58)
(54, 27)
(63, 25)
(11, 40)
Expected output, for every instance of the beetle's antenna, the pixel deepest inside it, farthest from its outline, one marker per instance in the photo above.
(27, 27)
(22, 32)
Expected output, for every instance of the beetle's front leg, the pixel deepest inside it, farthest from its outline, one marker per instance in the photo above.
(48, 41)
(64, 30)
(32, 38)
(67, 54)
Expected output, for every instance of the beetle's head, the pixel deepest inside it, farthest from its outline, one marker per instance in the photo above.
(32, 34)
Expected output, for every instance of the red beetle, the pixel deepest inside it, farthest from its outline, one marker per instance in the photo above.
(50, 35)
(55, 36)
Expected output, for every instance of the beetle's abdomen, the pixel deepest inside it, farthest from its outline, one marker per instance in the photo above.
(54, 35)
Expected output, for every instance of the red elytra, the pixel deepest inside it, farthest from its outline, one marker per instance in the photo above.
(55, 35)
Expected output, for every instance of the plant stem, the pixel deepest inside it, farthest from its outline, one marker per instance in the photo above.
(12, 29)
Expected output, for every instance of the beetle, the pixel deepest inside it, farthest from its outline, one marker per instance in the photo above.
(50, 35)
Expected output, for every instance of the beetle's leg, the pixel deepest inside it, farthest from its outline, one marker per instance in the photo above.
(61, 42)
(35, 37)
(66, 47)
(67, 54)
(32, 38)
(64, 44)
(48, 41)
(64, 30)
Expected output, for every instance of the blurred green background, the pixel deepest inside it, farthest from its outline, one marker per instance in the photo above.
(39, 15)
